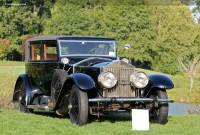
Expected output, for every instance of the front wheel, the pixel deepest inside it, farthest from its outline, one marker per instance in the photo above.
(158, 110)
(78, 106)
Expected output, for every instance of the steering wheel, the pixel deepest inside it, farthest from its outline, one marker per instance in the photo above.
(93, 51)
(96, 51)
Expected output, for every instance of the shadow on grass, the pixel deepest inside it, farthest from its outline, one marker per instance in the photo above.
(111, 118)
(50, 114)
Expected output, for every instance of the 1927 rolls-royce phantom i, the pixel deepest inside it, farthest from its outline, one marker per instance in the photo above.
(83, 75)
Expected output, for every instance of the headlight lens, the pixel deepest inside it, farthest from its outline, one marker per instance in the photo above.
(139, 79)
(107, 79)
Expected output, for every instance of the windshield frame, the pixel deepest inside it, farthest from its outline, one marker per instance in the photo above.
(114, 53)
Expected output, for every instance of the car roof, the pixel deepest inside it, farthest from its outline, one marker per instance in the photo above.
(63, 37)
(40, 38)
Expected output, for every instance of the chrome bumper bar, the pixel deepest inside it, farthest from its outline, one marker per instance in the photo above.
(130, 100)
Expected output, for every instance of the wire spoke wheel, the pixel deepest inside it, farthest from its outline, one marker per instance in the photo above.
(57, 84)
(78, 106)
(75, 108)
(56, 89)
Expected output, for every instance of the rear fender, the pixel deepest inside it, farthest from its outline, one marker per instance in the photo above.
(30, 88)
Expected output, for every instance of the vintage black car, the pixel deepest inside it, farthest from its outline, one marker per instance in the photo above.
(82, 76)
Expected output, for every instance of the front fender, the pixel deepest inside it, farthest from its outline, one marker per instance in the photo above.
(160, 81)
(82, 81)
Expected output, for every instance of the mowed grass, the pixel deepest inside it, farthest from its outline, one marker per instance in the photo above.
(17, 123)
(11, 63)
(9, 72)
(13, 122)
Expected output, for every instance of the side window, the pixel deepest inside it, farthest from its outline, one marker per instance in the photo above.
(35, 51)
(44, 50)
(50, 51)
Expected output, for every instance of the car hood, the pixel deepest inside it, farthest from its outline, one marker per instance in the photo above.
(114, 63)
(119, 63)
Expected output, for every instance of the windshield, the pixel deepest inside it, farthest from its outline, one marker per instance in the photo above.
(103, 48)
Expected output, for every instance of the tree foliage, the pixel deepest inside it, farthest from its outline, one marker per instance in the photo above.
(191, 67)
(126, 22)
(174, 30)
(4, 47)
(189, 61)
(158, 31)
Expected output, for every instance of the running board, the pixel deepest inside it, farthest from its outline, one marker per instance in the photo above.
(130, 100)
(40, 107)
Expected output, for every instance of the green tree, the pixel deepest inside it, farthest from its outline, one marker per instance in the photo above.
(174, 27)
(126, 21)
(4, 48)
(191, 67)
(189, 61)
(15, 22)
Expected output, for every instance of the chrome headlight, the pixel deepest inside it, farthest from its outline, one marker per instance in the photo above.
(107, 79)
(139, 79)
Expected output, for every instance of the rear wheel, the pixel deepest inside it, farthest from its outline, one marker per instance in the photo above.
(158, 110)
(78, 106)
(22, 100)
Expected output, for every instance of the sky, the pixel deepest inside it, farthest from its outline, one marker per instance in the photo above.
(196, 15)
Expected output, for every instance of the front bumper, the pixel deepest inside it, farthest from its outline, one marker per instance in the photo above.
(130, 100)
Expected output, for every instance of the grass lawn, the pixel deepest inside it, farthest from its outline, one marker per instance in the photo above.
(9, 71)
(11, 63)
(14, 122)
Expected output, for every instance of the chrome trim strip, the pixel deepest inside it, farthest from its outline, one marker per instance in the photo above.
(40, 107)
(130, 100)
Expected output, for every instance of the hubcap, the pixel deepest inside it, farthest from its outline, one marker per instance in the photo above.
(70, 107)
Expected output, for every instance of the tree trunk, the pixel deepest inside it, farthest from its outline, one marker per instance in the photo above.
(36, 10)
(191, 83)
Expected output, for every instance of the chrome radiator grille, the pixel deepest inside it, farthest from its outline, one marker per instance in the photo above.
(123, 87)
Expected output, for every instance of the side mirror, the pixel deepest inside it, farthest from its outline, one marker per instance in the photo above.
(127, 46)
(64, 61)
